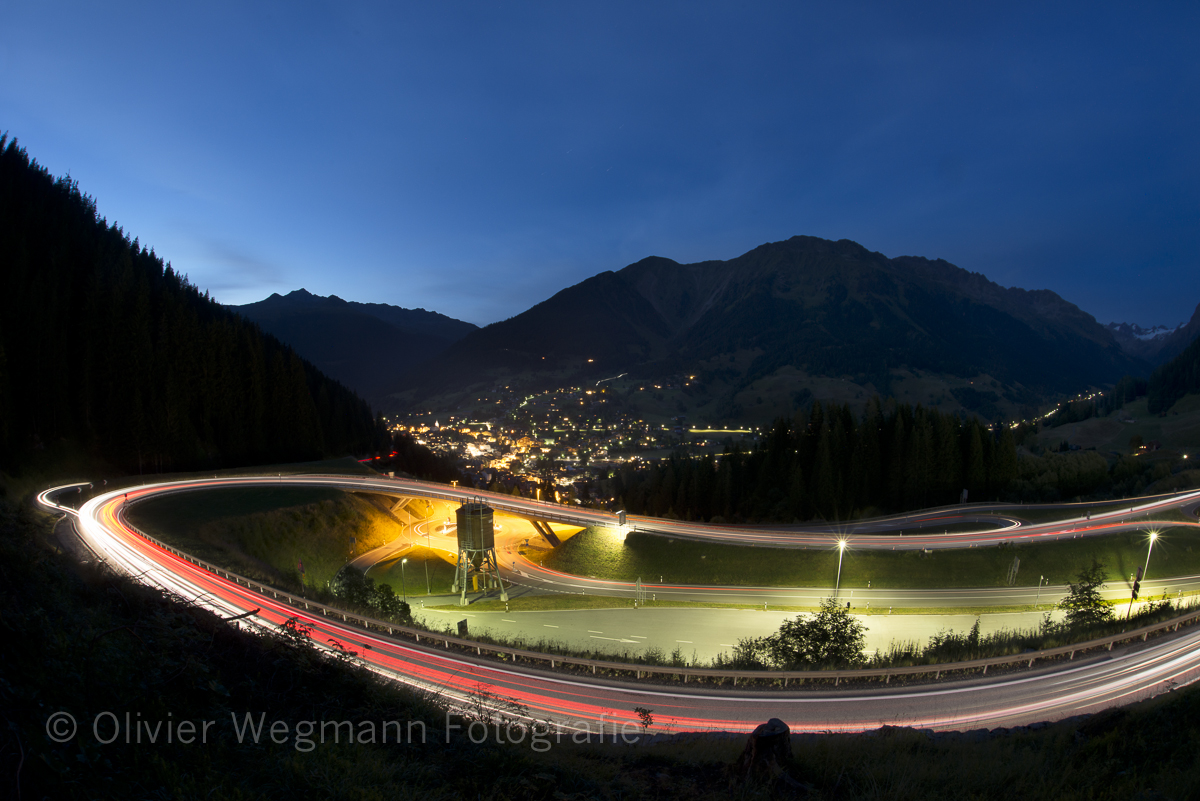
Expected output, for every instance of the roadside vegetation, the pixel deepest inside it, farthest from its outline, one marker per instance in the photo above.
(833, 638)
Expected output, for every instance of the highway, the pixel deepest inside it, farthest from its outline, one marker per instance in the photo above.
(523, 573)
(578, 703)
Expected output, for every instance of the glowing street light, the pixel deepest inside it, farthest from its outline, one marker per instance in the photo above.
(428, 586)
(403, 583)
(1146, 570)
(841, 551)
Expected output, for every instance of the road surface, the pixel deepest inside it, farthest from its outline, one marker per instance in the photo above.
(583, 703)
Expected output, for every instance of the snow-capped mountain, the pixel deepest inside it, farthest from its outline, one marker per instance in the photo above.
(1158, 344)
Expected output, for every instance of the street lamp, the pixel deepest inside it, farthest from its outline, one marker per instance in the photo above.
(1041, 580)
(403, 583)
(841, 551)
(428, 586)
(1146, 570)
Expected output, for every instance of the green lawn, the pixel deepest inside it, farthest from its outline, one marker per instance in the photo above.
(411, 578)
(600, 554)
(263, 532)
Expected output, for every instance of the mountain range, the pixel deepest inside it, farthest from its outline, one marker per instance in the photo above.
(366, 346)
(1159, 344)
(793, 319)
(755, 336)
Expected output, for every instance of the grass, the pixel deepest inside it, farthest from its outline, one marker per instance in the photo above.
(1178, 429)
(411, 578)
(598, 553)
(263, 533)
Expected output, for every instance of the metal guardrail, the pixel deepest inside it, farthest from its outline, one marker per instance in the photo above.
(643, 671)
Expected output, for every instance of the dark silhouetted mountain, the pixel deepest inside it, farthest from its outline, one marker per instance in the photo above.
(105, 349)
(366, 346)
(1157, 345)
(800, 309)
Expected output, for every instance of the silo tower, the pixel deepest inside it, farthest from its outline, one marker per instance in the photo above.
(476, 550)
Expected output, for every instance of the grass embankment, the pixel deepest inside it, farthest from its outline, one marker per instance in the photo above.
(411, 578)
(263, 532)
(598, 553)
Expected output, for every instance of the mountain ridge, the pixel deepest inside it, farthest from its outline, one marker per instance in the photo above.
(1157, 345)
(807, 305)
(364, 345)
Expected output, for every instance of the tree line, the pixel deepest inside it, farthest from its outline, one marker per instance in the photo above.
(1166, 385)
(1174, 379)
(106, 347)
(826, 462)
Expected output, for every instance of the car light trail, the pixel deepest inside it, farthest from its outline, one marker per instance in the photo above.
(1085, 685)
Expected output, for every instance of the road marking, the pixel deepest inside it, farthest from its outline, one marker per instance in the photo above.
(727, 645)
(547, 625)
(506, 620)
(594, 632)
(689, 642)
(615, 639)
(638, 636)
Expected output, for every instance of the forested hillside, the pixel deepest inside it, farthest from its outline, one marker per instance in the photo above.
(829, 463)
(105, 346)
(1175, 379)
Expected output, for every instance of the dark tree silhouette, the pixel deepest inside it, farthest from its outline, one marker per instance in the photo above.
(105, 346)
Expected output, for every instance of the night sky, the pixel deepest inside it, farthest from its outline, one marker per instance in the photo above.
(475, 158)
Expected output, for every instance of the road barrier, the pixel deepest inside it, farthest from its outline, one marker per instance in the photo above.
(645, 671)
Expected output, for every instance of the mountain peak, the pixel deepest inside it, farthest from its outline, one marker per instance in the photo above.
(803, 313)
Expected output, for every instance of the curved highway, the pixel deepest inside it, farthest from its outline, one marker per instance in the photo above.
(1083, 685)
(522, 572)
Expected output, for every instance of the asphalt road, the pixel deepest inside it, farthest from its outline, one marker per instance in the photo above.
(1056, 691)
(697, 633)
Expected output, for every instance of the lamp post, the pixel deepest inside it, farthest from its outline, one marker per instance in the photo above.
(428, 586)
(1146, 570)
(403, 583)
(841, 551)
(1041, 580)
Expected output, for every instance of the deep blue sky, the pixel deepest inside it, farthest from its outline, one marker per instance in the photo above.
(474, 158)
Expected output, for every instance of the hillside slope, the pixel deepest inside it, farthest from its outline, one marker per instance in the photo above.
(105, 349)
(366, 346)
